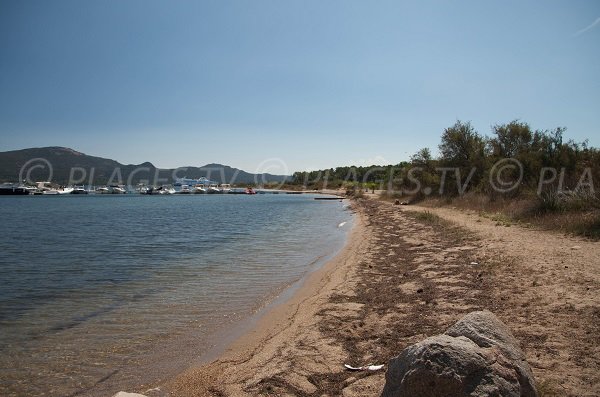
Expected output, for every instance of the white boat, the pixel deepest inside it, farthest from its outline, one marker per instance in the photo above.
(102, 190)
(115, 189)
(199, 189)
(225, 188)
(143, 189)
(79, 190)
(32, 190)
(185, 189)
(47, 188)
(213, 188)
(193, 183)
(43, 185)
(167, 191)
(52, 192)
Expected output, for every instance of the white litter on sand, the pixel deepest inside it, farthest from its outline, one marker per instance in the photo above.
(125, 394)
(369, 367)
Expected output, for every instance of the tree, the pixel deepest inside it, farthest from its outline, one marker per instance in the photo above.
(422, 158)
(511, 139)
(462, 146)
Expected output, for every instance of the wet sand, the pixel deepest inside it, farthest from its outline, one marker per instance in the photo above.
(403, 277)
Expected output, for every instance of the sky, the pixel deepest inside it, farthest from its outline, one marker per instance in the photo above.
(283, 86)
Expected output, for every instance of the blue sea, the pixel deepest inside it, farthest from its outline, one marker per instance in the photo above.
(100, 293)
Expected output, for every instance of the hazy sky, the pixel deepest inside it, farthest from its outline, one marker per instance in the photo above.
(314, 83)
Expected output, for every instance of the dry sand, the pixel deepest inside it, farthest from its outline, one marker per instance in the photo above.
(403, 277)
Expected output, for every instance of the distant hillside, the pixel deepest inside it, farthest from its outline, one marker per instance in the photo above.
(69, 165)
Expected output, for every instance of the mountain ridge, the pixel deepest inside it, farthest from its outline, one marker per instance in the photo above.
(63, 165)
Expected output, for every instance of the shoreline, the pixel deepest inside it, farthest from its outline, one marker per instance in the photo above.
(275, 322)
(241, 335)
(403, 275)
(261, 317)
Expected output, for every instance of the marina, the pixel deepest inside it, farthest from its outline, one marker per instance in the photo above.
(193, 187)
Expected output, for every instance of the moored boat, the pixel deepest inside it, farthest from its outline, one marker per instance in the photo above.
(116, 189)
(192, 182)
(167, 190)
(79, 190)
(143, 189)
(213, 188)
(45, 187)
(102, 190)
(58, 192)
(199, 189)
(185, 189)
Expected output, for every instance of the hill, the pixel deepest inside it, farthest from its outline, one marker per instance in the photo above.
(67, 166)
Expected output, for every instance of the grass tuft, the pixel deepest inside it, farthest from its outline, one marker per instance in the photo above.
(428, 217)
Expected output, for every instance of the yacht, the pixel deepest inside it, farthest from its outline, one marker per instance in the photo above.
(185, 189)
(116, 189)
(166, 190)
(143, 189)
(179, 182)
(225, 188)
(32, 190)
(213, 188)
(79, 190)
(57, 192)
(49, 188)
(44, 187)
(199, 189)
(102, 190)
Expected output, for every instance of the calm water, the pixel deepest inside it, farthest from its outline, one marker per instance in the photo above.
(102, 291)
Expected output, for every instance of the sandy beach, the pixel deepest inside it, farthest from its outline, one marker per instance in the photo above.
(299, 199)
(406, 274)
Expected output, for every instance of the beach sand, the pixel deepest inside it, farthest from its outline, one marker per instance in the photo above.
(404, 276)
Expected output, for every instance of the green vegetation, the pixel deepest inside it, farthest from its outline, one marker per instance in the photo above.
(513, 161)
(517, 174)
(371, 177)
(427, 217)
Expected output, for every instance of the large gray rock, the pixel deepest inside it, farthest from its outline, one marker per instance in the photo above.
(487, 331)
(477, 357)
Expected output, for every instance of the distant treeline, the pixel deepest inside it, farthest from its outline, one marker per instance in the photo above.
(513, 160)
